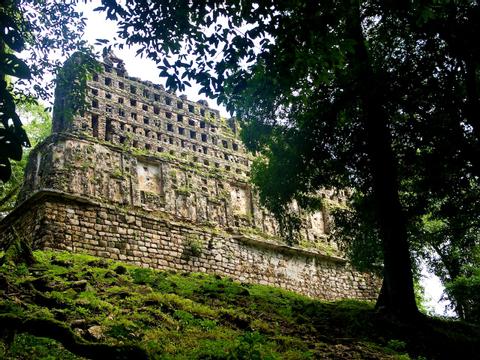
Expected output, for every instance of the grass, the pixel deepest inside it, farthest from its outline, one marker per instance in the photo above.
(197, 316)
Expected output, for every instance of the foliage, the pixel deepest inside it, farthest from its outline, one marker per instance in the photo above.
(193, 246)
(40, 30)
(71, 85)
(12, 135)
(17, 251)
(39, 122)
(38, 127)
(422, 298)
(358, 238)
(374, 96)
(451, 246)
(465, 290)
(197, 316)
(25, 346)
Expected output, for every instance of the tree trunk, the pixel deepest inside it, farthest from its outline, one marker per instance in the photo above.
(397, 264)
(398, 296)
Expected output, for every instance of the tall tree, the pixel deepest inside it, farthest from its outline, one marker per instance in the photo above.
(378, 96)
(308, 80)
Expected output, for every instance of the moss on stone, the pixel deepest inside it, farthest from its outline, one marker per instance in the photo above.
(107, 305)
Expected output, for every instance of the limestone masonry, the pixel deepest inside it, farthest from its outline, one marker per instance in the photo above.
(157, 180)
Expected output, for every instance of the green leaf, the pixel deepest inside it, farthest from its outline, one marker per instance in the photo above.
(13, 150)
(11, 65)
(10, 34)
(101, 41)
(5, 169)
(22, 137)
(10, 144)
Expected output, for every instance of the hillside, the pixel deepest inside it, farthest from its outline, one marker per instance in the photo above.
(105, 309)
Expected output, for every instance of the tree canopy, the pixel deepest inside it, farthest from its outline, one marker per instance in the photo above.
(380, 97)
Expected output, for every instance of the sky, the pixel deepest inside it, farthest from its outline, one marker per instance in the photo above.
(100, 28)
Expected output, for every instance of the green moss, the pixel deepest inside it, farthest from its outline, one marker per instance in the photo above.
(117, 172)
(25, 346)
(321, 245)
(91, 301)
(139, 152)
(188, 315)
(193, 246)
(257, 232)
(184, 190)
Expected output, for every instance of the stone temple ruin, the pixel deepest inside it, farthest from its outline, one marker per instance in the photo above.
(157, 180)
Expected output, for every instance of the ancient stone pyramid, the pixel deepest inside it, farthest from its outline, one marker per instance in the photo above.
(147, 177)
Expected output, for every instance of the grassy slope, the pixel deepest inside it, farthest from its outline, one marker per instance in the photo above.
(198, 316)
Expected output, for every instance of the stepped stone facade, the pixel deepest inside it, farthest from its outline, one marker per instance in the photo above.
(157, 180)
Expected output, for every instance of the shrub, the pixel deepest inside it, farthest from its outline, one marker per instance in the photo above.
(466, 292)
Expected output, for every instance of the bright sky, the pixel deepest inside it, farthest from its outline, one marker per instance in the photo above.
(434, 292)
(100, 28)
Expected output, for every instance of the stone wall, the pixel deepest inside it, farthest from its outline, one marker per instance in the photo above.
(156, 180)
(61, 221)
(105, 172)
(137, 114)
(141, 145)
